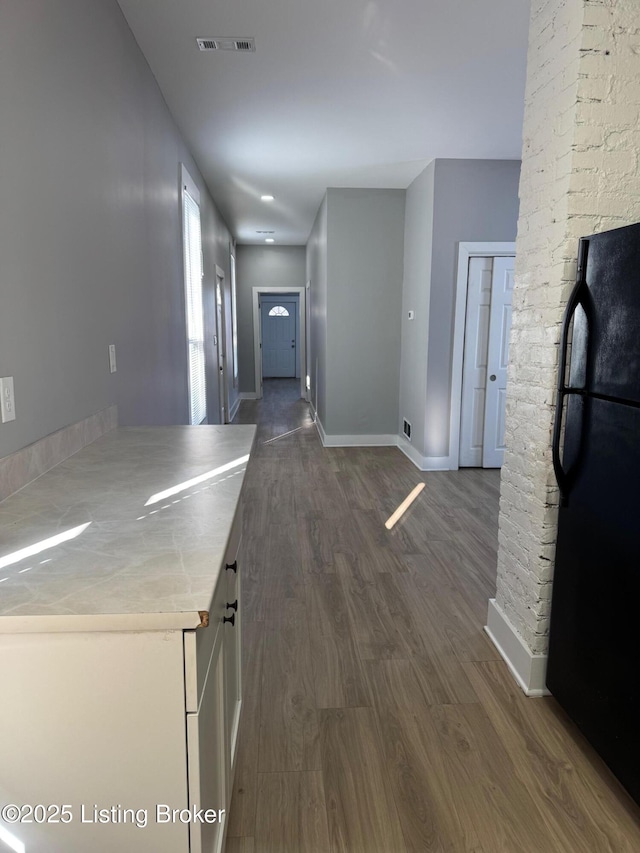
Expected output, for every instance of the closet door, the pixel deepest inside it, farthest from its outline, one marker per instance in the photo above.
(474, 370)
(498, 359)
(486, 354)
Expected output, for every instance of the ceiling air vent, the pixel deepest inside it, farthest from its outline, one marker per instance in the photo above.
(265, 232)
(207, 44)
(241, 45)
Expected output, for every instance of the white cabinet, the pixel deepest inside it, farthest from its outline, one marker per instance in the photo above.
(124, 721)
(214, 699)
(207, 756)
(233, 666)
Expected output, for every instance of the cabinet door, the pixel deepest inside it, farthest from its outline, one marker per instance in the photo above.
(206, 738)
(233, 670)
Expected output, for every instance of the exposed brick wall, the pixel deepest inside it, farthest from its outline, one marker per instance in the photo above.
(580, 174)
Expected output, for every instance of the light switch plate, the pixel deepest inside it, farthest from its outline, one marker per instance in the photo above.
(412, 315)
(112, 358)
(7, 401)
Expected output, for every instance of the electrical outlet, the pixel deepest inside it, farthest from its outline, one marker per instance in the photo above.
(112, 358)
(7, 402)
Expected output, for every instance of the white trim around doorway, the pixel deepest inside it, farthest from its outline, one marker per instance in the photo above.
(465, 251)
(257, 350)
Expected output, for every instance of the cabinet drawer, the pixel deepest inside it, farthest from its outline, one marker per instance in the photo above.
(199, 644)
(231, 554)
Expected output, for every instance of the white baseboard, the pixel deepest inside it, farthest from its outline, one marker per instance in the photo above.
(423, 463)
(248, 395)
(320, 428)
(529, 670)
(233, 409)
(355, 440)
(314, 414)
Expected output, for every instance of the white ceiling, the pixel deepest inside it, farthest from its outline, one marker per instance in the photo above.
(358, 93)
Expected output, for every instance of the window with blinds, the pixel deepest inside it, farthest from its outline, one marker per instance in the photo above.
(194, 309)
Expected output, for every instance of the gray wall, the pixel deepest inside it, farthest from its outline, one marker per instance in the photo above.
(474, 200)
(317, 276)
(365, 260)
(261, 266)
(416, 291)
(90, 223)
(452, 201)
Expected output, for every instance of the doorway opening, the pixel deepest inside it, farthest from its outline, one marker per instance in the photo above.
(193, 296)
(220, 343)
(279, 338)
(481, 353)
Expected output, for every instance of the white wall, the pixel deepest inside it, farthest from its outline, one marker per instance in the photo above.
(261, 266)
(90, 223)
(452, 201)
(580, 175)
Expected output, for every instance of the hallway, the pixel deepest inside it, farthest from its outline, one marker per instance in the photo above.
(378, 717)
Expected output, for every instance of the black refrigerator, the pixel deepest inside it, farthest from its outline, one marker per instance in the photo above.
(594, 643)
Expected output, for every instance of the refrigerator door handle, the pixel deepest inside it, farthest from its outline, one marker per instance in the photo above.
(576, 299)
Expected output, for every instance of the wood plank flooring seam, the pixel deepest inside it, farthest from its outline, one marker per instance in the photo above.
(425, 743)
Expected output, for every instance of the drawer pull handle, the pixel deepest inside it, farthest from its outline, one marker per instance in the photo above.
(231, 619)
(233, 567)
(233, 605)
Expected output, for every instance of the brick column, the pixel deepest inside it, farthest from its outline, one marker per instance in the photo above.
(580, 175)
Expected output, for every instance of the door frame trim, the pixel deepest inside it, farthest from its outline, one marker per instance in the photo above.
(221, 349)
(465, 252)
(257, 329)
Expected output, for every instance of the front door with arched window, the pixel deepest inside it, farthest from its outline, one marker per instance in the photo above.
(278, 337)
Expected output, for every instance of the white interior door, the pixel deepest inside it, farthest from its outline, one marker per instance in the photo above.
(486, 354)
(498, 359)
(279, 338)
(474, 369)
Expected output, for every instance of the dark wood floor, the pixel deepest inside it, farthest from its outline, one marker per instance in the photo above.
(378, 718)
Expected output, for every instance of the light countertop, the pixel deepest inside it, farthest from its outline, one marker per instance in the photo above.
(128, 534)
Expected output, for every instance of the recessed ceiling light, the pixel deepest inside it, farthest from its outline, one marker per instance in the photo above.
(269, 240)
(266, 198)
